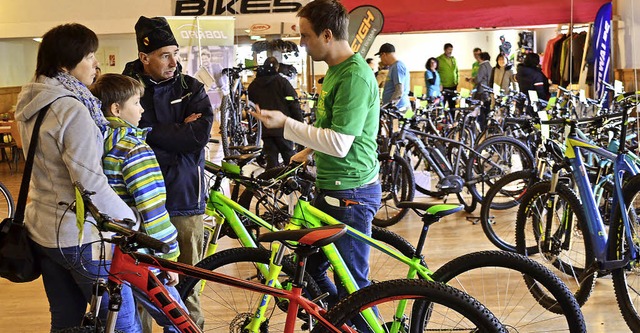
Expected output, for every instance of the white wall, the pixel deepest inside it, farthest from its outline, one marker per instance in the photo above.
(628, 34)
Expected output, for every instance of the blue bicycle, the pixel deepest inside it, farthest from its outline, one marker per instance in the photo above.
(568, 233)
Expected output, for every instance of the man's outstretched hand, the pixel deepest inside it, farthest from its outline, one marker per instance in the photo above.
(270, 118)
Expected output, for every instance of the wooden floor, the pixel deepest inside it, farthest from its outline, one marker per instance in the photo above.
(24, 307)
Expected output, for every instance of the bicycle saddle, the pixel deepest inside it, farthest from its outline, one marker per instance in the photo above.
(437, 210)
(245, 149)
(317, 237)
(242, 159)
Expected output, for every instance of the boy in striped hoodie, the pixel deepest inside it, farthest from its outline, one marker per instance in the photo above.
(133, 172)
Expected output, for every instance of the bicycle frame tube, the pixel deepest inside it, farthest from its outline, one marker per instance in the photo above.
(595, 224)
(134, 269)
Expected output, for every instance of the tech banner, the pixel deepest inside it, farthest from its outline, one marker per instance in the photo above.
(602, 45)
(365, 23)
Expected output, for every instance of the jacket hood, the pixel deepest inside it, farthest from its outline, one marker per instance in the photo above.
(266, 79)
(36, 95)
(119, 129)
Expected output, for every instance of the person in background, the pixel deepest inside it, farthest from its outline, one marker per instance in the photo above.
(373, 65)
(270, 90)
(481, 82)
(502, 75)
(69, 149)
(343, 140)
(448, 70)
(397, 85)
(133, 172)
(171, 100)
(98, 73)
(432, 80)
(531, 78)
(475, 66)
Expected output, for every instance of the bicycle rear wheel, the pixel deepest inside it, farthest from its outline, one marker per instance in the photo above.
(626, 280)
(228, 309)
(524, 295)
(398, 184)
(7, 205)
(450, 309)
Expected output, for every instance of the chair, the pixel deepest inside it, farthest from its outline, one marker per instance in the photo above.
(14, 144)
(17, 149)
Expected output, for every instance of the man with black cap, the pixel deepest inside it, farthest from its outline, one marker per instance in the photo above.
(396, 86)
(180, 115)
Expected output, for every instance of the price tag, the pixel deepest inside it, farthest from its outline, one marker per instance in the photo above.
(417, 91)
(533, 96)
(583, 96)
(409, 114)
(496, 89)
(544, 128)
(618, 87)
(551, 103)
(465, 93)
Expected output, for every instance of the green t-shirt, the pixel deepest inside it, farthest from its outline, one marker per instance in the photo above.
(349, 104)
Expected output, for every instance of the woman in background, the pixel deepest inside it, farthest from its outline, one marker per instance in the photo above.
(432, 79)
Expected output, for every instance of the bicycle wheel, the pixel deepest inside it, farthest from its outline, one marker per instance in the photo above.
(227, 308)
(450, 310)
(397, 182)
(7, 205)
(85, 329)
(500, 206)
(569, 254)
(497, 156)
(626, 280)
(382, 266)
(522, 294)
(237, 126)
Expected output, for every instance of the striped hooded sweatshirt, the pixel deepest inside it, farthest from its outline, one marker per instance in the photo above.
(133, 172)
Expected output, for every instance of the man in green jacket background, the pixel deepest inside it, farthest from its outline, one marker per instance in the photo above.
(448, 70)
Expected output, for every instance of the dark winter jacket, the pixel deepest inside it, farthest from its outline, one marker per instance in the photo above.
(272, 91)
(179, 147)
(533, 79)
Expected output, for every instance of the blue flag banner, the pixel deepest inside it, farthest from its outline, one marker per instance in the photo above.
(602, 46)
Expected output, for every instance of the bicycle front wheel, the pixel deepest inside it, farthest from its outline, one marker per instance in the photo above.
(561, 246)
(524, 295)
(500, 205)
(229, 309)
(450, 310)
(7, 205)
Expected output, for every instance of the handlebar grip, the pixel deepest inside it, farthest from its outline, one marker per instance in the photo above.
(554, 122)
(147, 241)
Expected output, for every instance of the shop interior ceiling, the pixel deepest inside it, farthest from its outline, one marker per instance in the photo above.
(437, 15)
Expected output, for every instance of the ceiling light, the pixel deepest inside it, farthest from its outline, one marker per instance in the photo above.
(38, 39)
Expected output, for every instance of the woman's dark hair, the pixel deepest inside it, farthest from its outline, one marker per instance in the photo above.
(500, 55)
(429, 61)
(485, 56)
(327, 14)
(531, 60)
(64, 46)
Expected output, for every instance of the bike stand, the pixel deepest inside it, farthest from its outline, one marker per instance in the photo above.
(473, 219)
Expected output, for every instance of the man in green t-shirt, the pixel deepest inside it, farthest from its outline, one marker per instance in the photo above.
(343, 140)
(448, 70)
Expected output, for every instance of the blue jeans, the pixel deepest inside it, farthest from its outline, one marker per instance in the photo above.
(354, 253)
(159, 316)
(68, 275)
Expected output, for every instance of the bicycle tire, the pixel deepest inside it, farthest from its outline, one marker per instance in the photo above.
(398, 184)
(500, 206)
(625, 279)
(85, 329)
(239, 262)
(227, 123)
(570, 266)
(497, 280)
(7, 205)
(506, 154)
(451, 309)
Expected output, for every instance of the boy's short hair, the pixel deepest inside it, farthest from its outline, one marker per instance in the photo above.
(115, 88)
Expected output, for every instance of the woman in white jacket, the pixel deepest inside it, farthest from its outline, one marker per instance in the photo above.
(69, 149)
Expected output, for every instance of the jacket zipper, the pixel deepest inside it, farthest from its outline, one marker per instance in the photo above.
(199, 187)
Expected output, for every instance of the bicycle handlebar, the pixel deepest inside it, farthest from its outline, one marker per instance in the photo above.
(106, 223)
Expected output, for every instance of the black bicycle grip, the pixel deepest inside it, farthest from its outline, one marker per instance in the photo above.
(147, 241)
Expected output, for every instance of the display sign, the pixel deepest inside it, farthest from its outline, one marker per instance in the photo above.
(602, 46)
(202, 31)
(236, 7)
(365, 23)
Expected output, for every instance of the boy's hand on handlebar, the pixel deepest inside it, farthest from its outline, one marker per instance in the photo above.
(270, 118)
(172, 278)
